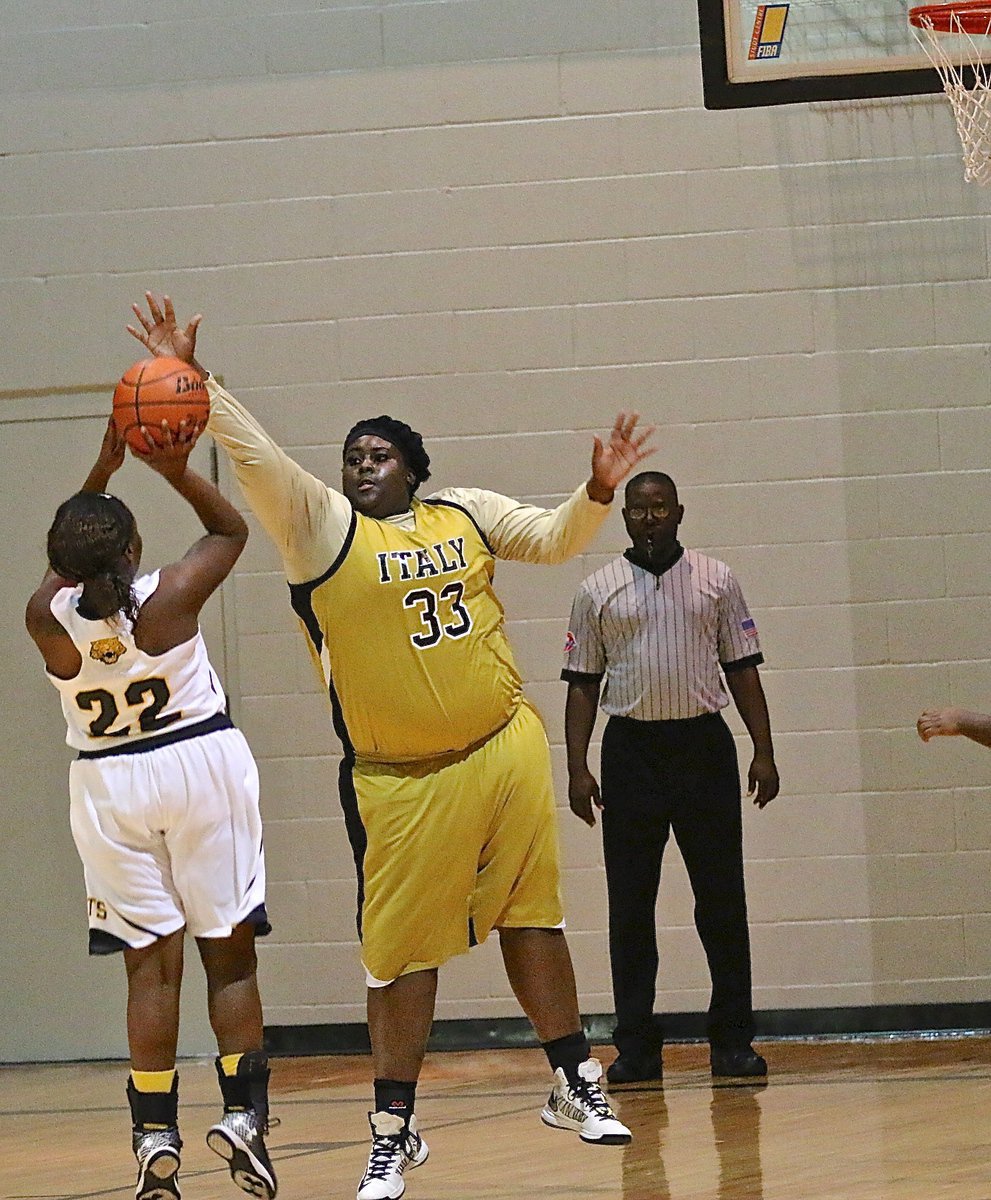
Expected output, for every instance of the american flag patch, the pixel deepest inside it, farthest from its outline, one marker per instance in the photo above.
(570, 642)
(749, 627)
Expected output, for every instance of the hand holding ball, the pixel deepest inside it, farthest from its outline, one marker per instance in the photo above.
(156, 390)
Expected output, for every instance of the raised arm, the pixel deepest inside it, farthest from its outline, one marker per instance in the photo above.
(527, 533)
(108, 461)
(615, 459)
(305, 519)
(186, 585)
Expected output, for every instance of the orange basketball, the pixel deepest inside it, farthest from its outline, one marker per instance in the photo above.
(156, 390)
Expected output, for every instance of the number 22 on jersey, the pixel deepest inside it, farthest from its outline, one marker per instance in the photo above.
(149, 696)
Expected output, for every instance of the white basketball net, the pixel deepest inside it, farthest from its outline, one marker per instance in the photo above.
(950, 52)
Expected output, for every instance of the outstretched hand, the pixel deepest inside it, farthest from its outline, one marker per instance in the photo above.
(955, 722)
(615, 459)
(939, 722)
(159, 332)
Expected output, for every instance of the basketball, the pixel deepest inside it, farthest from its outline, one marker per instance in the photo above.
(156, 390)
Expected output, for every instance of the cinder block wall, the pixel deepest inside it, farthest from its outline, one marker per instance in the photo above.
(503, 220)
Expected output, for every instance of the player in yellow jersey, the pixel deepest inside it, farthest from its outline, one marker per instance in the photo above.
(446, 780)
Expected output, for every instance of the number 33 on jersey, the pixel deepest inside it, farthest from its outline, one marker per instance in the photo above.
(409, 636)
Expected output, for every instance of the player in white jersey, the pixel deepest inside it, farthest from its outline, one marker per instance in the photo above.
(163, 798)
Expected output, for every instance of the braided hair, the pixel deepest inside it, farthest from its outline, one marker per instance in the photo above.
(87, 543)
(406, 440)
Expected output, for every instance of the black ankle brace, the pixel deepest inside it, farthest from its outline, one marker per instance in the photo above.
(395, 1096)
(248, 1088)
(153, 1109)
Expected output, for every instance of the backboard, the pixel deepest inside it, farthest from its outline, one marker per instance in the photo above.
(756, 54)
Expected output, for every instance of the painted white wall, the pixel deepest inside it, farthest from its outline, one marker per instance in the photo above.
(502, 220)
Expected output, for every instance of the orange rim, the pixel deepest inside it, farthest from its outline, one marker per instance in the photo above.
(972, 18)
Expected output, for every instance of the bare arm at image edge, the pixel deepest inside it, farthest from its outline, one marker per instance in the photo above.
(955, 722)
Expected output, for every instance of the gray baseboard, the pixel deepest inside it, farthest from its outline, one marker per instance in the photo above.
(506, 1033)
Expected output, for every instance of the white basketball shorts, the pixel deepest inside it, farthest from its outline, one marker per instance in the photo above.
(169, 838)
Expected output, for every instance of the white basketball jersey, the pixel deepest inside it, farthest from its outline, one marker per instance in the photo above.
(123, 695)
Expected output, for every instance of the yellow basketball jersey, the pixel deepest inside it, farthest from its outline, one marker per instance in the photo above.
(410, 637)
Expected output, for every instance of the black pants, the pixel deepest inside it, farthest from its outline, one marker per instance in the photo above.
(680, 776)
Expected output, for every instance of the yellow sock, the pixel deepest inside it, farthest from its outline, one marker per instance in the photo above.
(228, 1063)
(153, 1081)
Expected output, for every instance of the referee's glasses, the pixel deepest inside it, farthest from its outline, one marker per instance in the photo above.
(657, 511)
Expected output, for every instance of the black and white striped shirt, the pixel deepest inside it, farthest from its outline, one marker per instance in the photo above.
(662, 639)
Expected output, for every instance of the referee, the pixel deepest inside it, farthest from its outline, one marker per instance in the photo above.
(663, 626)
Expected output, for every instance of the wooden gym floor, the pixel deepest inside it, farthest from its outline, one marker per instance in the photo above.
(877, 1119)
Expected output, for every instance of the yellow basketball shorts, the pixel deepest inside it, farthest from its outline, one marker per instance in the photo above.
(457, 847)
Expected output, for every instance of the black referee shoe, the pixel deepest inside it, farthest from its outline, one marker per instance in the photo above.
(635, 1068)
(741, 1063)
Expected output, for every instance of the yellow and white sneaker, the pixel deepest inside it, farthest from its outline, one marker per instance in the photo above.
(584, 1109)
(395, 1147)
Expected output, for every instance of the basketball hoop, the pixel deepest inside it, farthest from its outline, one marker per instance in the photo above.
(955, 38)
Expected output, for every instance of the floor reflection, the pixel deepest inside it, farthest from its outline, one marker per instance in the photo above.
(645, 1114)
(735, 1116)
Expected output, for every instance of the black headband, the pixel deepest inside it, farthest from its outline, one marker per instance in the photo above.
(406, 440)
